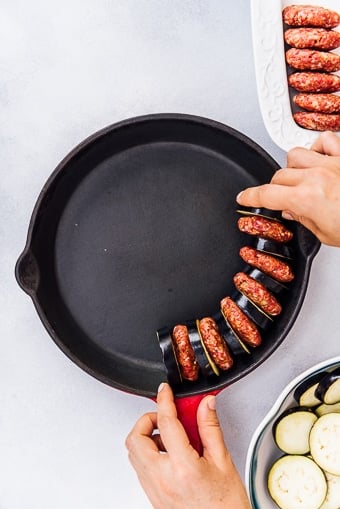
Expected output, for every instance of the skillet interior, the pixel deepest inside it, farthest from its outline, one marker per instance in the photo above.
(136, 230)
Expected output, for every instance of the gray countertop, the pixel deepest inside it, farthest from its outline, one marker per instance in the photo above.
(69, 68)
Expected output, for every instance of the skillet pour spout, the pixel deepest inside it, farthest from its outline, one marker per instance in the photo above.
(27, 272)
(137, 228)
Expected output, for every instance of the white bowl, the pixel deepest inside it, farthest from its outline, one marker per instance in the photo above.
(262, 451)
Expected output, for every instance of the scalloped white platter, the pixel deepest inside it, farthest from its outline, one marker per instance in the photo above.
(271, 71)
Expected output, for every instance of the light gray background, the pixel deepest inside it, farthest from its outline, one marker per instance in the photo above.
(67, 69)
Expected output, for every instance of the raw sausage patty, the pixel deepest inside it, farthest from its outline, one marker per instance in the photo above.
(215, 344)
(240, 323)
(310, 15)
(314, 82)
(184, 353)
(318, 121)
(312, 60)
(257, 293)
(258, 225)
(322, 103)
(277, 269)
(312, 38)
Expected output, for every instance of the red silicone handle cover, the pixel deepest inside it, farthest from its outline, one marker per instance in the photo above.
(187, 412)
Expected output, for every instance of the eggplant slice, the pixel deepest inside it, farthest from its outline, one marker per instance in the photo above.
(328, 389)
(253, 312)
(304, 393)
(297, 478)
(207, 366)
(263, 212)
(292, 428)
(169, 357)
(274, 248)
(271, 284)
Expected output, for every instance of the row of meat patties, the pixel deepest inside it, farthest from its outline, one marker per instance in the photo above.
(208, 345)
(313, 36)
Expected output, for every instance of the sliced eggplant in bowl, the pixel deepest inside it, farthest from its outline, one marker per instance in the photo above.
(292, 428)
(269, 441)
(328, 389)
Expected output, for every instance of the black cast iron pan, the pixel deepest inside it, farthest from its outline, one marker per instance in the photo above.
(136, 229)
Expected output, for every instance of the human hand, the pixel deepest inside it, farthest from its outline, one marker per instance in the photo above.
(308, 190)
(170, 470)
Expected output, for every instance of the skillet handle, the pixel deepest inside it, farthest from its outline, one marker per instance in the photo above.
(186, 412)
(309, 244)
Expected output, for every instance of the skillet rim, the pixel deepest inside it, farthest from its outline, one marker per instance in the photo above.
(26, 257)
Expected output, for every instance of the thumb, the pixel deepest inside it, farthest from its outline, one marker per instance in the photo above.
(210, 431)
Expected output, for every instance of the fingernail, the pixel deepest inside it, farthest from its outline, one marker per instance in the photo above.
(212, 402)
(287, 215)
(161, 387)
(239, 195)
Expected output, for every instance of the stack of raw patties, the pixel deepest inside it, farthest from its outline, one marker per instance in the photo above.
(312, 39)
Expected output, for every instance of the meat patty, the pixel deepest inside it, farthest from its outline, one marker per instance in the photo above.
(314, 82)
(318, 121)
(215, 344)
(264, 227)
(257, 293)
(313, 60)
(277, 269)
(322, 103)
(184, 353)
(310, 15)
(243, 327)
(312, 38)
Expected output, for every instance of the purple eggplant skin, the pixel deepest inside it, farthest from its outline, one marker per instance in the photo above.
(169, 357)
(326, 390)
(196, 343)
(289, 411)
(281, 437)
(255, 314)
(235, 344)
(271, 284)
(274, 248)
(268, 213)
(306, 385)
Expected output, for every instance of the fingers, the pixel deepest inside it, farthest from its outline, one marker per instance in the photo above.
(210, 431)
(270, 196)
(139, 442)
(288, 177)
(299, 157)
(327, 143)
(173, 435)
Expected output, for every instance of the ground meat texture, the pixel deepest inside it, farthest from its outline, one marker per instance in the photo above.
(312, 60)
(310, 15)
(274, 267)
(322, 103)
(184, 353)
(215, 344)
(314, 82)
(312, 38)
(265, 228)
(245, 329)
(318, 121)
(257, 293)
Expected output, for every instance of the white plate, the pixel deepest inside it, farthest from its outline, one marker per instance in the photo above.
(262, 451)
(271, 75)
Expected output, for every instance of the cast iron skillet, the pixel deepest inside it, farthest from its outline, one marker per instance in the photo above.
(136, 229)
